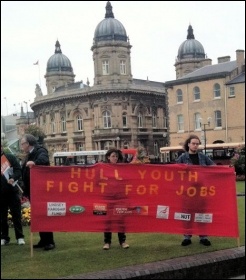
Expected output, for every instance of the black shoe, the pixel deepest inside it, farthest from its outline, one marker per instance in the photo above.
(186, 242)
(39, 245)
(205, 242)
(49, 247)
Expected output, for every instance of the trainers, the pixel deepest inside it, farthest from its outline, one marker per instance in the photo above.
(124, 245)
(21, 241)
(106, 246)
(4, 242)
(186, 242)
(205, 242)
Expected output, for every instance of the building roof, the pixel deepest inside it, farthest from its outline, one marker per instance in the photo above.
(237, 80)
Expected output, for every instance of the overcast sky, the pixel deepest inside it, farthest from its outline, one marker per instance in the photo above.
(29, 30)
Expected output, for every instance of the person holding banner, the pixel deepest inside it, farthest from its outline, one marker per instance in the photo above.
(10, 197)
(36, 155)
(114, 156)
(192, 156)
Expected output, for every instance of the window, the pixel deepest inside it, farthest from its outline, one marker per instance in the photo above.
(105, 67)
(232, 91)
(180, 122)
(179, 96)
(196, 93)
(122, 67)
(63, 124)
(79, 147)
(106, 119)
(197, 121)
(124, 119)
(218, 120)
(52, 124)
(140, 120)
(216, 91)
(154, 120)
(79, 121)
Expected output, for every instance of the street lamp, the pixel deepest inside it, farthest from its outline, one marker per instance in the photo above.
(27, 111)
(204, 131)
(165, 138)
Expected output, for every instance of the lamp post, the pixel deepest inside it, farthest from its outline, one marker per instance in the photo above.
(204, 132)
(27, 111)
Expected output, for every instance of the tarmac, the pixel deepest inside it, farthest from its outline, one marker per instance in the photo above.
(223, 264)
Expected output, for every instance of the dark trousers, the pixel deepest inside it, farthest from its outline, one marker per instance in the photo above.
(11, 200)
(108, 237)
(46, 238)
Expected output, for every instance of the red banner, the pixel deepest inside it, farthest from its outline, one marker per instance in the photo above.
(172, 198)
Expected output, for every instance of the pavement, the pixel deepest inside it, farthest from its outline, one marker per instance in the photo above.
(223, 264)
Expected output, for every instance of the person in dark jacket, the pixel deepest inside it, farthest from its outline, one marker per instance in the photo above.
(193, 156)
(10, 198)
(36, 155)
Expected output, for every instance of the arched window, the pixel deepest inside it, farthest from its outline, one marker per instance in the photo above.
(154, 120)
(52, 125)
(179, 95)
(140, 119)
(196, 93)
(79, 122)
(63, 124)
(217, 91)
(106, 119)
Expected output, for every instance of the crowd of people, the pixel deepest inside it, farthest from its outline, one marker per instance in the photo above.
(12, 171)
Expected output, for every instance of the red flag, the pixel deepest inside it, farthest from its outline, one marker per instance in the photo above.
(35, 63)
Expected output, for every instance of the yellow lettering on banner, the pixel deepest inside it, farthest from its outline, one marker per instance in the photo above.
(73, 187)
(142, 174)
(116, 174)
(142, 189)
(191, 191)
(212, 191)
(128, 189)
(75, 173)
(102, 185)
(192, 175)
(88, 186)
(153, 189)
(155, 174)
(90, 173)
(171, 176)
(49, 185)
(201, 191)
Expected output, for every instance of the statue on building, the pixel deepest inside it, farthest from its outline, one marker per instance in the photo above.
(38, 91)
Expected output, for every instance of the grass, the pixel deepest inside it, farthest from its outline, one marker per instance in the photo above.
(78, 253)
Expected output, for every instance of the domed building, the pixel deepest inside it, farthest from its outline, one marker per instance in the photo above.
(117, 110)
(203, 98)
(191, 56)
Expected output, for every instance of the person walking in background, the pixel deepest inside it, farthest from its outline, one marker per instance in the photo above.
(10, 197)
(192, 156)
(36, 155)
(114, 156)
